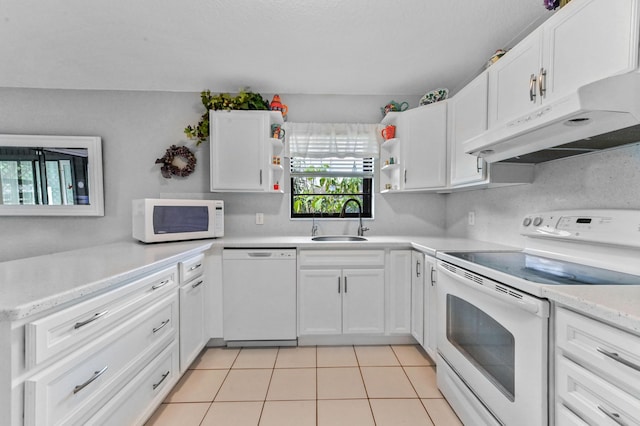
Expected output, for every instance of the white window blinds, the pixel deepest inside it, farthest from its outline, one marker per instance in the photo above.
(331, 140)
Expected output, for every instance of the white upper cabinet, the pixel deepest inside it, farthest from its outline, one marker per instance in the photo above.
(242, 152)
(467, 118)
(584, 42)
(423, 136)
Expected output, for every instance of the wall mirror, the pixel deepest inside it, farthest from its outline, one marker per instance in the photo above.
(51, 176)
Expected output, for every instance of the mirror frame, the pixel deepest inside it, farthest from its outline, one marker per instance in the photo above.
(93, 144)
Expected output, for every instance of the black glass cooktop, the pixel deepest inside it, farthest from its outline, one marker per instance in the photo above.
(545, 270)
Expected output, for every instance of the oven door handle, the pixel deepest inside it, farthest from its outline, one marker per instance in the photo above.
(523, 303)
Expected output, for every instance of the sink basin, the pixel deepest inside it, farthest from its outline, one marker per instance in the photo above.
(338, 238)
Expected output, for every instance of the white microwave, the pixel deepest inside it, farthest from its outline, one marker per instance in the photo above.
(156, 220)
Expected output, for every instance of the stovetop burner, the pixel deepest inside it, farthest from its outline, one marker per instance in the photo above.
(545, 270)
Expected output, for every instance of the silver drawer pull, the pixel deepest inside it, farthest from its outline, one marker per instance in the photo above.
(614, 356)
(198, 284)
(165, 322)
(613, 416)
(164, 376)
(160, 284)
(194, 267)
(90, 320)
(88, 382)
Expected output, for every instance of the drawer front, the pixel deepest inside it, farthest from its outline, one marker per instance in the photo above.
(614, 353)
(79, 384)
(138, 400)
(593, 398)
(79, 324)
(191, 268)
(333, 258)
(566, 417)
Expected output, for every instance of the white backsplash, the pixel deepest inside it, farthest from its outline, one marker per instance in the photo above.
(609, 179)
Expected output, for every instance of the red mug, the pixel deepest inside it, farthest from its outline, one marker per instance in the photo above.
(389, 132)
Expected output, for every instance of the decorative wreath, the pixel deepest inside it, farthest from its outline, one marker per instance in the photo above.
(177, 161)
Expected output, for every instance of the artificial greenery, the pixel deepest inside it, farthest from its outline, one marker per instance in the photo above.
(245, 100)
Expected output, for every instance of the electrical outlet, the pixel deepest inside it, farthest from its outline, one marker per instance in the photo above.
(471, 218)
(259, 218)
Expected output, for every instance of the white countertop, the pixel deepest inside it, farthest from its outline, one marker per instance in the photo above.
(32, 285)
(616, 304)
(35, 284)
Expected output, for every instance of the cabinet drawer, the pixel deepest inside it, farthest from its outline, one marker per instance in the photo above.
(613, 353)
(62, 393)
(566, 417)
(335, 258)
(191, 268)
(79, 324)
(137, 401)
(593, 398)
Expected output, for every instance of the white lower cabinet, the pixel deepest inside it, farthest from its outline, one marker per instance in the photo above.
(72, 389)
(341, 292)
(140, 397)
(417, 296)
(597, 372)
(192, 308)
(430, 307)
(399, 292)
(341, 301)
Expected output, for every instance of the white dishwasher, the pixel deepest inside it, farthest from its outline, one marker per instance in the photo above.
(259, 295)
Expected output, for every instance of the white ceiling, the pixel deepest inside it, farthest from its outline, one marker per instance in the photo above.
(365, 47)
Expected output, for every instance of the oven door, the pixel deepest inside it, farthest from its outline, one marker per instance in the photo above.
(494, 339)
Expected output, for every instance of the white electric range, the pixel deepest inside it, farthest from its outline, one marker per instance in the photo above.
(493, 330)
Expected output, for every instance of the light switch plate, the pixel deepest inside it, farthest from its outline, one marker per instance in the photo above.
(259, 218)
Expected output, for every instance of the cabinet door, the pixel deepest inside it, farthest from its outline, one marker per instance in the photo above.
(468, 111)
(417, 296)
(510, 81)
(192, 337)
(589, 41)
(237, 150)
(430, 307)
(363, 301)
(424, 146)
(320, 302)
(399, 292)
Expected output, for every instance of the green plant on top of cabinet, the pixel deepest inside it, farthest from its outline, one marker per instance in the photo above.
(243, 152)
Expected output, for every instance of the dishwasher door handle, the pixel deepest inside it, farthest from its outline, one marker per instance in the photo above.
(260, 254)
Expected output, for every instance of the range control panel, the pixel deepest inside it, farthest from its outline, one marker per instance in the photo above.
(616, 227)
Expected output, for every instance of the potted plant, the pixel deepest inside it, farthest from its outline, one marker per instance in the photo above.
(245, 100)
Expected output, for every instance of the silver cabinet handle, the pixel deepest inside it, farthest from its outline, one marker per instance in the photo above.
(542, 82)
(345, 285)
(613, 416)
(405, 175)
(93, 378)
(260, 176)
(194, 267)
(479, 164)
(433, 279)
(614, 356)
(418, 268)
(160, 284)
(90, 320)
(198, 284)
(162, 325)
(532, 88)
(338, 285)
(164, 376)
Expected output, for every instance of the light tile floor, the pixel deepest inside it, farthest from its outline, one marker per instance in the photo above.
(315, 386)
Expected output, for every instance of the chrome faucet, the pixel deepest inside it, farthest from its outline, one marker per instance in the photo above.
(361, 229)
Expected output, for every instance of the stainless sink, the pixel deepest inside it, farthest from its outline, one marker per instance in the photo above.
(338, 238)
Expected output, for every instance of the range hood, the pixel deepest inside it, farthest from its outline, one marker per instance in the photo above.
(598, 116)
